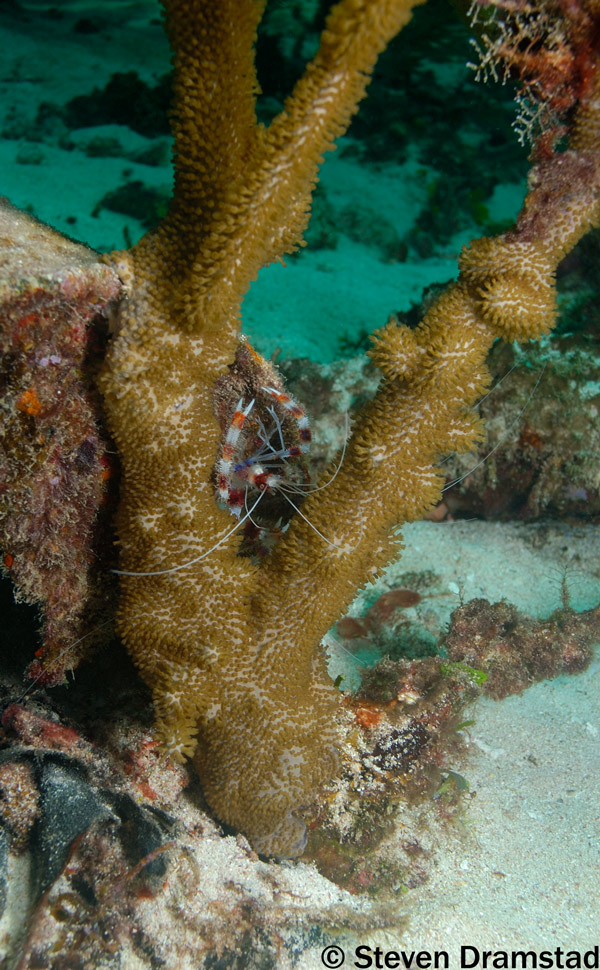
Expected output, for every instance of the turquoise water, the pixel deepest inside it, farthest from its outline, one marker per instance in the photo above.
(430, 162)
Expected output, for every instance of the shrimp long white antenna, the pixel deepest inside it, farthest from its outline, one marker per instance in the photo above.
(53, 663)
(497, 384)
(314, 528)
(249, 511)
(481, 400)
(244, 412)
(329, 639)
(457, 481)
(298, 487)
(192, 562)
(307, 520)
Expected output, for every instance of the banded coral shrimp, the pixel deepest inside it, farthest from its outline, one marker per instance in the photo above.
(255, 458)
(262, 460)
(261, 473)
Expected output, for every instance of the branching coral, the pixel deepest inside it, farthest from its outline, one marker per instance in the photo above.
(231, 651)
(217, 645)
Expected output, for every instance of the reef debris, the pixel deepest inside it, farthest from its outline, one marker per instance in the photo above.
(515, 650)
(56, 458)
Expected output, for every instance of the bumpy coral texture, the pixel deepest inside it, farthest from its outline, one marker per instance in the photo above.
(231, 651)
(225, 664)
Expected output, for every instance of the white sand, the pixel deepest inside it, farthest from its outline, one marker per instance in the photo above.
(524, 871)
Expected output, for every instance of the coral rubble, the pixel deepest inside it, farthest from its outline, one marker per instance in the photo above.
(515, 650)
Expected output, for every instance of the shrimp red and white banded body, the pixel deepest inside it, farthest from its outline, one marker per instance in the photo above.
(255, 456)
(261, 461)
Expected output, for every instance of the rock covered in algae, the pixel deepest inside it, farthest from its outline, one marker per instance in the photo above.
(117, 866)
(543, 435)
(515, 650)
(55, 300)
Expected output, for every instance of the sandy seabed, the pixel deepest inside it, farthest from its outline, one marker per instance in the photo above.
(523, 870)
